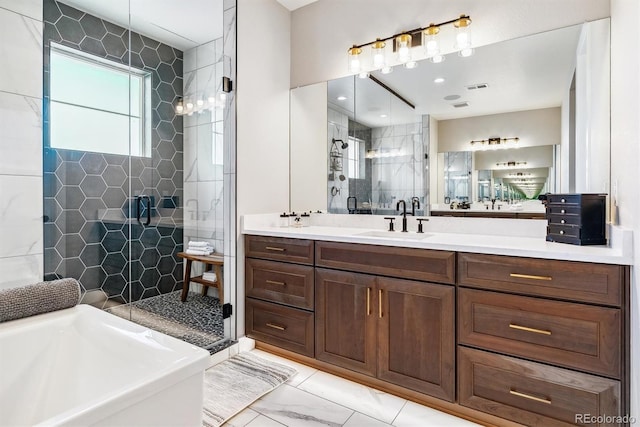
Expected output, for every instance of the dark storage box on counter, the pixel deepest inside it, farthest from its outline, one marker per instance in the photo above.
(578, 219)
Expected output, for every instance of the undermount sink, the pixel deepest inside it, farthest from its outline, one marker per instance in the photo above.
(394, 235)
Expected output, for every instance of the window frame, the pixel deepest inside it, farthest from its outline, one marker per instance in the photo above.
(144, 113)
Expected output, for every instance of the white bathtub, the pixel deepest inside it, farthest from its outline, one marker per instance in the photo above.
(84, 367)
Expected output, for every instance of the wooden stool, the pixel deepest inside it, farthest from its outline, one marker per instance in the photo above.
(216, 261)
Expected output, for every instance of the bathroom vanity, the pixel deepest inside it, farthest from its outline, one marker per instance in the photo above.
(534, 335)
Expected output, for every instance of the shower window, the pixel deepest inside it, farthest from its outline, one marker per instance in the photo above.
(98, 105)
(356, 157)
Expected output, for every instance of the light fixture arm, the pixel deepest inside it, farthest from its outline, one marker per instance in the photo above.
(465, 18)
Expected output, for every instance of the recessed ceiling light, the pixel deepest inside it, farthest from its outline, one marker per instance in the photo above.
(438, 80)
(383, 115)
(451, 97)
(342, 98)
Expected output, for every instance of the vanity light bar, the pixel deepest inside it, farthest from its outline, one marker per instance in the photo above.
(494, 141)
(510, 164)
(402, 45)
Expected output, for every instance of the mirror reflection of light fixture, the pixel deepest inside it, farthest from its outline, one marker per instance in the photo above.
(200, 103)
(405, 46)
(494, 143)
(510, 164)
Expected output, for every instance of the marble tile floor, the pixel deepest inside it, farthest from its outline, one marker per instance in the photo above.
(314, 398)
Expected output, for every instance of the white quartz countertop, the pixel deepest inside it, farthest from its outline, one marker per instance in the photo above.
(619, 251)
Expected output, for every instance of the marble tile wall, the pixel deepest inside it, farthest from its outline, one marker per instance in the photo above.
(21, 249)
(338, 190)
(400, 176)
(204, 147)
(88, 197)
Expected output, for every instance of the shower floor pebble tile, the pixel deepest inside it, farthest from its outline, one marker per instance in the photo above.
(315, 398)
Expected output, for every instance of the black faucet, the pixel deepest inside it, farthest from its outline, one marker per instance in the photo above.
(404, 214)
(493, 204)
(415, 203)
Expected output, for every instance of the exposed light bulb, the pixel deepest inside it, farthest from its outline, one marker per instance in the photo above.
(379, 59)
(403, 46)
(354, 59)
(466, 52)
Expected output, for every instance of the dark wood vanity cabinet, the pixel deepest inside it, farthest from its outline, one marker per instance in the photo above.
(380, 324)
(531, 341)
(397, 330)
(279, 282)
(542, 341)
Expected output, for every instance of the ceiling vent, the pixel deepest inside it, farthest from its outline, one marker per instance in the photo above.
(461, 104)
(478, 86)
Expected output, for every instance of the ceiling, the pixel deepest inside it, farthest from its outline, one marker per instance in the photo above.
(521, 74)
(295, 4)
(182, 24)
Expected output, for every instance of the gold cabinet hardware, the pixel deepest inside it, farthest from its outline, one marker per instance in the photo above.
(272, 248)
(278, 327)
(528, 276)
(528, 396)
(273, 282)
(380, 303)
(368, 301)
(526, 329)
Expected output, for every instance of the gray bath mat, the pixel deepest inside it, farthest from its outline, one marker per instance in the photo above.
(236, 383)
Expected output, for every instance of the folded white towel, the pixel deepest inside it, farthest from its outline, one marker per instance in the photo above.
(199, 251)
(211, 277)
(195, 244)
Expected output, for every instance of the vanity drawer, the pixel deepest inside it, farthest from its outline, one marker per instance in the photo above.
(274, 281)
(578, 336)
(532, 393)
(564, 219)
(285, 327)
(280, 249)
(576, 281)
(406, 263)
(564, 230)
(558, 209)
(564, 199)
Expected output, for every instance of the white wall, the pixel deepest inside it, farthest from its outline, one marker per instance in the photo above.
(533, 127)
(308, 147)
(262, 112)
(592, 109)
(322, 31)
(625, 152)
(21, 231)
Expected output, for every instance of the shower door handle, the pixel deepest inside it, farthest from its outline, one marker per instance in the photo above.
(139, 209)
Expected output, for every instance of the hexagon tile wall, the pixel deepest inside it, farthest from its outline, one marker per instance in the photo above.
(82, 189)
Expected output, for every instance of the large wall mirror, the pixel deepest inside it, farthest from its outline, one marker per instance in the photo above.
(485, 133)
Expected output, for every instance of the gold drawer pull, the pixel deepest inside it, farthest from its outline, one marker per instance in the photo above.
(534, 330)
(528, 276)
(272, 248)
(278, 327)
(380, 303)
(272, 282)
(528, 396)
(368, 301)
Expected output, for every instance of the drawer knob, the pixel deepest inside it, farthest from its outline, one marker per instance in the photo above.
(527, 329)
(561, 231)
(563, 200)
(273, 282)
(528, 276)
(562, 221)
(528, 396)
(272, 248)
(278, 327)
(562, 211)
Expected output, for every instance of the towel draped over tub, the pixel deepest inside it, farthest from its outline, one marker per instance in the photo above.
(42, 297)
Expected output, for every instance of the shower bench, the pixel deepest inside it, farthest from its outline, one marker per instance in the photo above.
(208, 260)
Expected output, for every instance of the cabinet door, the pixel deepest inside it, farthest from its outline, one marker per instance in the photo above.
(416, 337)
(346, 320)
